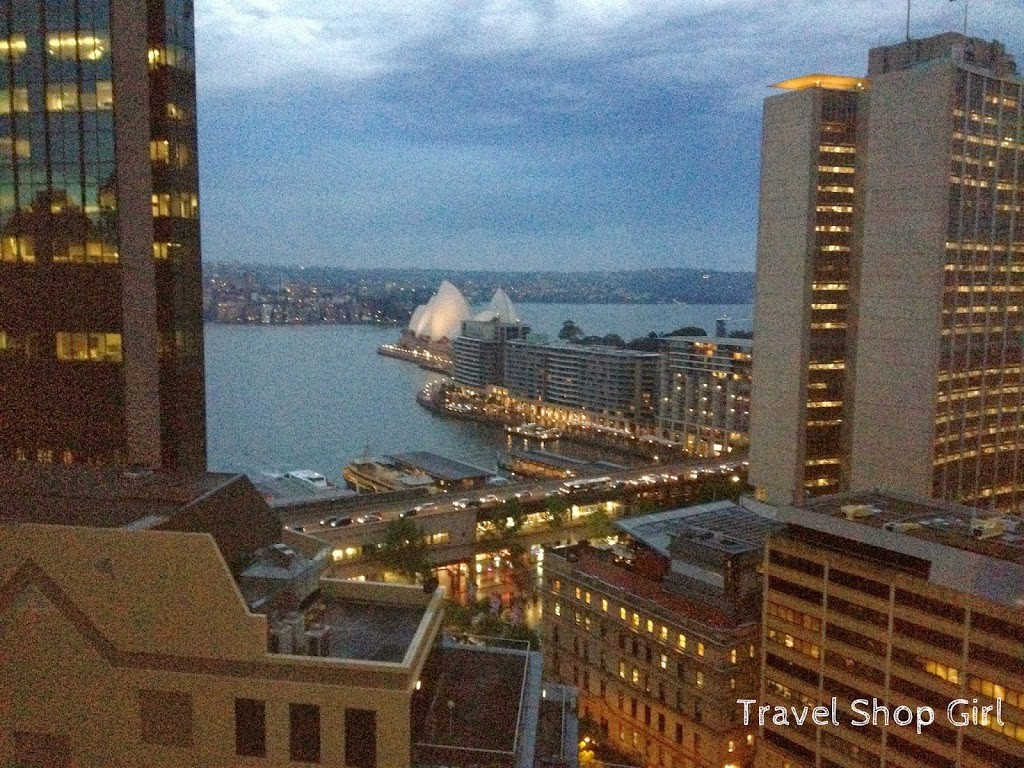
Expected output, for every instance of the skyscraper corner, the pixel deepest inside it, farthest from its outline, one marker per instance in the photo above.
(889, 277)
(100, 298)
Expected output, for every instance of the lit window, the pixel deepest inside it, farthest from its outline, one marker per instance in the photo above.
(90, 347)
(15, 100)
(732, 656)
(20, 148)
(13, 47)
(700, 649)
(604, 605)
(165, 251)
(664, 661)
(179, 205)
(622, 670)
(90, 252)
(20, 248)
(663, 633)
(174, 112)
(586, 598)
(169, 56)
(68, 45)
(650, 626)
(636, 621)
(699, 680)
(636, 676)
(159, 151)
(682, 641)
(66, 97)
(558, 608)
(622, 613)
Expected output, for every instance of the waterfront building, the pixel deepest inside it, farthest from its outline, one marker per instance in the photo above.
(172, 625)
(619, 387)
(913, 602)
(101, 336)
(705, 394)
(478, 353)
(661, 635)
(889, 274)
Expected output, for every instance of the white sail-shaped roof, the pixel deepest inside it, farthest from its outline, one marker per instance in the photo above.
(442, 316)
(417, 317)
(499, 308)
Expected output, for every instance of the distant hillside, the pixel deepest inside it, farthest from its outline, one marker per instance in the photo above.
(647, 286)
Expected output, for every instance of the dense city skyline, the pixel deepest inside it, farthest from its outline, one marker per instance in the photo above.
(570, 135)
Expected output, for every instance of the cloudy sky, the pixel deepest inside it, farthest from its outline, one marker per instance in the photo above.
(523, 134)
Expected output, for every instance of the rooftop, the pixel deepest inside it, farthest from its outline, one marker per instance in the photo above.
(296, 486)
(721, 525)
(950, 545)
(952, 525)
(370, 631)
(477, 703)
(224, 505)
(440, 467)
(718, 341)
(821, 80)
(601, 565)
(83, 495)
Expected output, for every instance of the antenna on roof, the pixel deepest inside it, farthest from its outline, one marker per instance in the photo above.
(908, 20)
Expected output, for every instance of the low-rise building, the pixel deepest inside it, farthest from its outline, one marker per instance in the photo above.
(662, 635)
(158, 620)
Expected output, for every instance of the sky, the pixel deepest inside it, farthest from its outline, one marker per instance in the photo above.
(513, 134)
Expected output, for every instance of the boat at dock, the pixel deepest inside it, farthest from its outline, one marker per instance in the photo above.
(535, 431)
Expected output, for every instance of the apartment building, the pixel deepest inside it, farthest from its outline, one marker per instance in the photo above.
(478, 353)
(171, 625)
(705, 394)
(616, 385)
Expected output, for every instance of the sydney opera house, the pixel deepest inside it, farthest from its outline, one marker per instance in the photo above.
(435, 324)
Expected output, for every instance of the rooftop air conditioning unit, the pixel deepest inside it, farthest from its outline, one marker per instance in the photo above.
(318, 641)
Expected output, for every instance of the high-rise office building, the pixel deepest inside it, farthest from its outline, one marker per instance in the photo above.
(100, 293)
(890, 274)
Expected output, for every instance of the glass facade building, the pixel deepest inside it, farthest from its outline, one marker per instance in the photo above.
(100, 293)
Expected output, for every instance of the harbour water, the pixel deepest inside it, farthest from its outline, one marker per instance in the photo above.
(317, 397)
